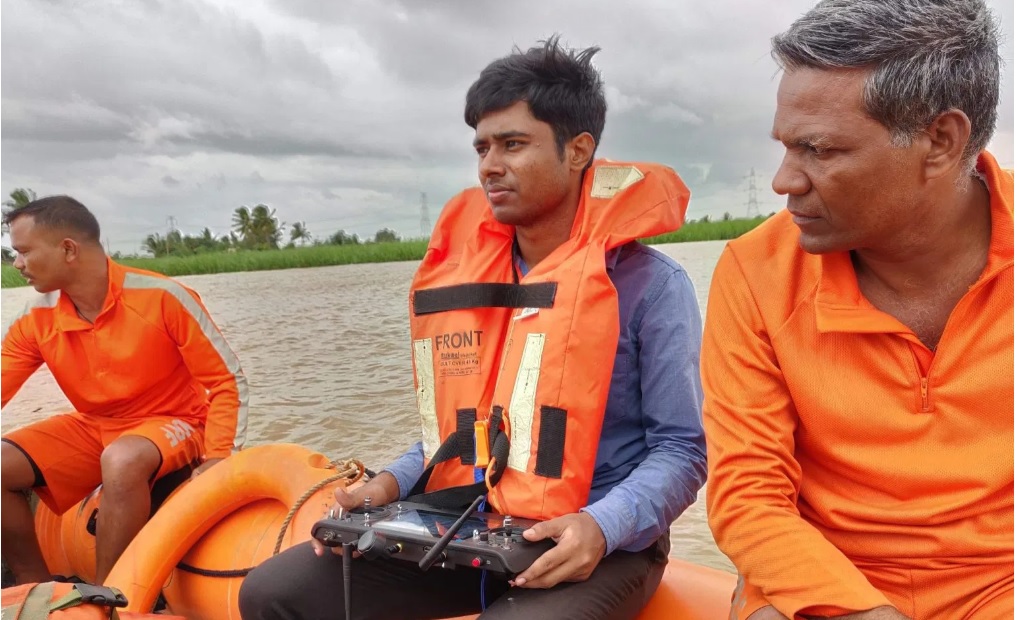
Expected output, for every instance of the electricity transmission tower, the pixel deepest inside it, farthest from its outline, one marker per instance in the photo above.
(172, 222)
(753, 203)
(425, 219)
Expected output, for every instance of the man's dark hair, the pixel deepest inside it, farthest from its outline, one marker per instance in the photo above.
(561, 86)
(59, 213)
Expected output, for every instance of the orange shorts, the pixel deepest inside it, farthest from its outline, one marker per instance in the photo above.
(975, 592)
(64, 451)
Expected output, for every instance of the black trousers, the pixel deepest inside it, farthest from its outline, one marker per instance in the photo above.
(297, 584)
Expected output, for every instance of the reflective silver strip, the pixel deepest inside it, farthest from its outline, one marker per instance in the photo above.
(423, 361)
(48, 300)
(210, 331)
(524, 402)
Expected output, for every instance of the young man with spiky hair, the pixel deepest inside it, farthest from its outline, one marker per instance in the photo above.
(537, 314)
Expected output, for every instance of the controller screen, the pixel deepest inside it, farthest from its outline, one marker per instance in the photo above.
(433, 523)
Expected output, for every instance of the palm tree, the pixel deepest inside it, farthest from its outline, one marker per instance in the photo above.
(20, 197)
(242, 224)
(265, 231)
(207, 241)
(156, 244)
(300, 233)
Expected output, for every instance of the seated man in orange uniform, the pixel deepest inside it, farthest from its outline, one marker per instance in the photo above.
(153, 382)
(858, 354)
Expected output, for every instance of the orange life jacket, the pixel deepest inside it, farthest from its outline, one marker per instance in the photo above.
(531, 358)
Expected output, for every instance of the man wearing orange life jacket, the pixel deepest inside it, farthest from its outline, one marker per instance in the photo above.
(536, 314)
(153, 382)
(858, 354)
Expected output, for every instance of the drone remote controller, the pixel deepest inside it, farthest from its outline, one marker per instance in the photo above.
(408, 531)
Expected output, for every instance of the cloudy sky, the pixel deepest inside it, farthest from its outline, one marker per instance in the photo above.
(341, 113)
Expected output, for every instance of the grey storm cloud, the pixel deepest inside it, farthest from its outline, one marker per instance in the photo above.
(341, 114)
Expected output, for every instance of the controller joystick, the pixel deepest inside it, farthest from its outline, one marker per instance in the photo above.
(367, 512)
(373, 544)
(506, 535)
(366, 508)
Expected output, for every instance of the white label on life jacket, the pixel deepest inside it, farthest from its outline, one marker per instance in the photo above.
(609, 180)
(526, 312)
(423, 361)
(524, 402)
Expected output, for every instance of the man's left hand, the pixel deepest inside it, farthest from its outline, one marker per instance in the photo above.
(200, 469)
(581, 546)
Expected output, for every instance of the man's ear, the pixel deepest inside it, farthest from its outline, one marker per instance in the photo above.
(579, 151)
(948, 135)
(71, 248)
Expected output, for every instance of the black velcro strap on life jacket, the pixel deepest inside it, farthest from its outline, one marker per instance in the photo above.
(448, 450)
(484, 295)
(464, 432)
(494, 423)
(551, 442)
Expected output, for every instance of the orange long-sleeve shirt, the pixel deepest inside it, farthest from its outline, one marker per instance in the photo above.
(836, 440)
(152, 351)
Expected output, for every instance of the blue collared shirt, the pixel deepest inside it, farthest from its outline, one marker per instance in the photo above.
(651, 461)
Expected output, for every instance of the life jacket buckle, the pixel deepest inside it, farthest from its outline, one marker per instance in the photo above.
(101, 595)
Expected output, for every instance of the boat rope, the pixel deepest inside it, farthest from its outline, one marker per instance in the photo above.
(349, 469)
(207, 572)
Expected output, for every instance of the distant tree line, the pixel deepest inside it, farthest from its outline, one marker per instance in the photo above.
(255, 228)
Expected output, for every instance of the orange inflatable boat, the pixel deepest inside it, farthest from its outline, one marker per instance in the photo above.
(211, 530)
(204, 538)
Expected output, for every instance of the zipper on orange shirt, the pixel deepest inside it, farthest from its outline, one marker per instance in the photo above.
(923, 359)
(926, 359)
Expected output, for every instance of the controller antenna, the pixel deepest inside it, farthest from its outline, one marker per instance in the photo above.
(439, 547)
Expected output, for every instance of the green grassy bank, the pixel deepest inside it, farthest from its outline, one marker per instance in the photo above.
(700, 230)
(325, 255)
(291, 258)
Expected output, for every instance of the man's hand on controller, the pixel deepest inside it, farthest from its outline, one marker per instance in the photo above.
(581, 546)
(381, 490)
(344, 501)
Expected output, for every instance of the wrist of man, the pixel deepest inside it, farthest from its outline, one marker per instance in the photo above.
(607, 529)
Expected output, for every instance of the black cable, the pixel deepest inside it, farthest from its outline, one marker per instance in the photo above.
(347, 571)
